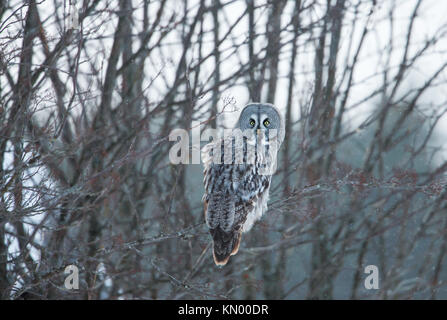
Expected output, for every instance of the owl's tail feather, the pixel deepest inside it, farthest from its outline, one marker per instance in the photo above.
(225, 244)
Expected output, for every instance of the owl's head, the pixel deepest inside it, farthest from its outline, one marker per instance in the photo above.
(262, 118)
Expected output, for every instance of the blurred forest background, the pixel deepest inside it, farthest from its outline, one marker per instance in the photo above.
(88, 97)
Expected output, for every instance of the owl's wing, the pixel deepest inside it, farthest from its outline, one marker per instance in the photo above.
(228, 199)
(222, 174)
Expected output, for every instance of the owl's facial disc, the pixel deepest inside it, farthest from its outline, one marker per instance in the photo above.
(261, 120)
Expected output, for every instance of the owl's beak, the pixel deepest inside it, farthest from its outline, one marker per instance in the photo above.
(258, 131)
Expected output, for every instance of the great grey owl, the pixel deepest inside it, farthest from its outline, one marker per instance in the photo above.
(238, 170)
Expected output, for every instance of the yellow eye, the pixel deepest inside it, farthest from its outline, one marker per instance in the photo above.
(252, 122)
(266, 122)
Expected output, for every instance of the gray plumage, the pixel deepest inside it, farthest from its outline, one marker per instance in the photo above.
(237, 176)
